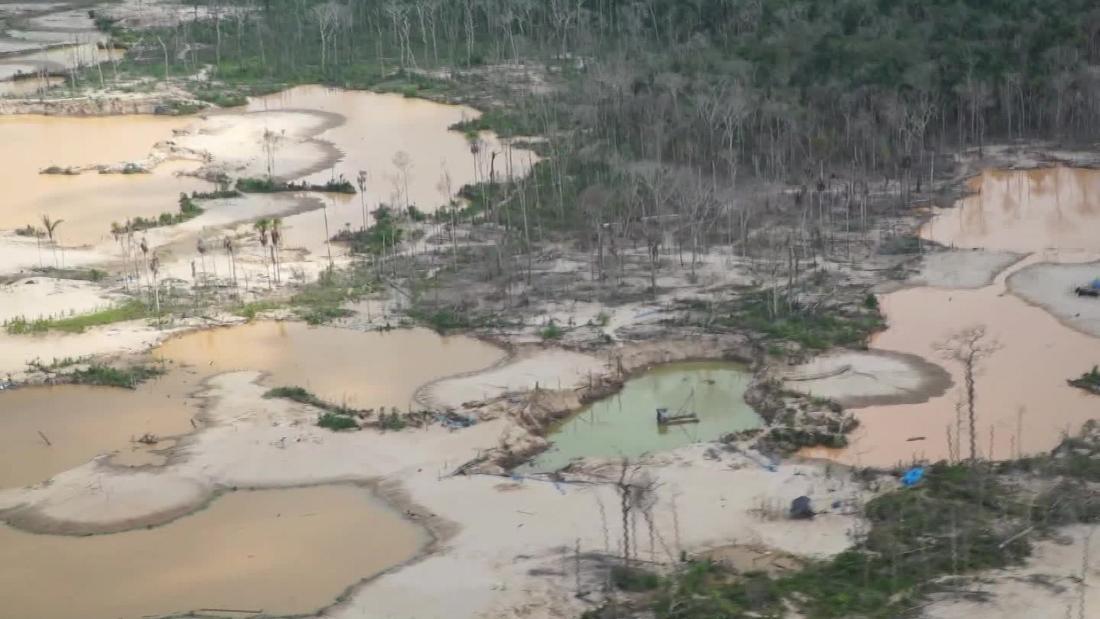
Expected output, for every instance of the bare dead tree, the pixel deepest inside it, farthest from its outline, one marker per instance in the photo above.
(969, 347)
(636, 493)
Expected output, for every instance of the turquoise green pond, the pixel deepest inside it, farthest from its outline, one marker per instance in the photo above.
(625, 424)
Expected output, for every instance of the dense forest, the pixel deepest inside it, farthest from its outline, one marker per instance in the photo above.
(771, 86)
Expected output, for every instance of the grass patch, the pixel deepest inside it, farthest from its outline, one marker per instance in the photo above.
(551, 331)
(249, 311)
(130, 310)
(446, 319)
(188, 210)
(88, 275)
(505, 123)
(217, 194)
(299, 394)
(393, 421)
(107, 376)
(634, 579)
(335, 417)
(269, 185)
(321, 301)
(337, 423)
(442, 320)
(383, 235)
(815, 328)
(220, 98)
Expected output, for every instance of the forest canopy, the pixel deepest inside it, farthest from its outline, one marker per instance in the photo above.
(777, 84)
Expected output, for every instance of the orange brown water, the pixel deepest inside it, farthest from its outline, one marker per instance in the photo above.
(89, 202)
(279, 551)
(365, 370)
(1024, 211)
(379, 126)
(1022, 395)
(82, 422)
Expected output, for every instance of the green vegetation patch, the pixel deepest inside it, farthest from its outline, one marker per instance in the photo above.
(336, 423)
(813, 327)
(335, 416)
(382, 236)
(270, 185)
(551, 331)
(446, 319)
(108, 376)
(130, 310)
(959, 520)
(89, 275)
(1089, 381)
(322, 301)
(188, 210)
(250, 310)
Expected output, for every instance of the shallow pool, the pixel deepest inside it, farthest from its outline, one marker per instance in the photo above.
(624, 425)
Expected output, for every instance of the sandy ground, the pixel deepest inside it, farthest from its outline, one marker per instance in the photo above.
(1050, 584)
(704, 500)
(36, 297)
(1050, 286)
(20, 254)
(118, 338)
(547, 368)
(856, 379)
(236, 143)
(962, 268)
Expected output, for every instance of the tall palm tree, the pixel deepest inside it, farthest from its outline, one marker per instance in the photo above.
(328, 236)
(116, 232)
(51, 225)
(261, 227)
(361, 180)
(154, 268)
(276, 238)
(144, 246)
(201, 247)
(119, 234)
(227, 244)
(131, 256)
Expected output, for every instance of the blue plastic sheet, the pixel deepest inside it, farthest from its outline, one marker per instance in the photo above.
(913, 476)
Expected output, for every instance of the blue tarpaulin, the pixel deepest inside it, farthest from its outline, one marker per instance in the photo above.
(912, 476)
(1095, 285)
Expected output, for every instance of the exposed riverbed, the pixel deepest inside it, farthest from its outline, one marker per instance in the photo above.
(1023, 402)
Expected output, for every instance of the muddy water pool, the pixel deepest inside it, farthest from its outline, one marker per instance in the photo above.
(360, 369)
(624, 425)
(281, 552)
(379, 128)
(1024, 211)
(81, 422)
(89, 202)
(1023, 402)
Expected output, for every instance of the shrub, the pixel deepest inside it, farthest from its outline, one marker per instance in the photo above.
(634, 579)
(337, 422)
(551, 331)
